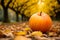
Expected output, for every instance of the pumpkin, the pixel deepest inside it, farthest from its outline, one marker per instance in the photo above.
(40, 22)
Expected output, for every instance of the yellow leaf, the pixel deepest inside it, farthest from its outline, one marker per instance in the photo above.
(20, 33)
(21, 38)
(27, 29)
(7, 31)
(36, 33)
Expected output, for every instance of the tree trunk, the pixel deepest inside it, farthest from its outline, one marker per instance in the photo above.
(58, 15)
(22, 17)
(58, 1)
(6, 18)
(17, 17)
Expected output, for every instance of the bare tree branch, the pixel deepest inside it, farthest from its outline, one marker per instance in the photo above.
(8, 3)
(12, 6)
(13, 3)
(28, 7)
(19, 11)
(18, 6)
(2, 3)
(23, 5)
(12, 9)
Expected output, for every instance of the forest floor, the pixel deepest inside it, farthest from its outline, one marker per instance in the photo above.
(9, 30)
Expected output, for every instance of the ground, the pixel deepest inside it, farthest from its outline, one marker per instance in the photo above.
(9, 30)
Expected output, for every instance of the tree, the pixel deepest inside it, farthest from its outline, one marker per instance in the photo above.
(5, 5)
(48, 6)
(57, 10)
(16, 8)
(21, 6)
(58, 1)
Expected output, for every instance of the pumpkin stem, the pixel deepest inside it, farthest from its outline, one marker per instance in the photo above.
(40, 13)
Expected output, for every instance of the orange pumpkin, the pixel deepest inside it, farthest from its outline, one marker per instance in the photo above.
(40, 22)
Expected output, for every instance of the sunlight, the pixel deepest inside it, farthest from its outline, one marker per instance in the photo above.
(40, 5)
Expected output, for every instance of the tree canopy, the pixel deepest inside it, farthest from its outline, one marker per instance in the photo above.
(28, 7)
(48, 6)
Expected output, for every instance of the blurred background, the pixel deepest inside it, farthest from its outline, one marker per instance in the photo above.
(21, 10)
